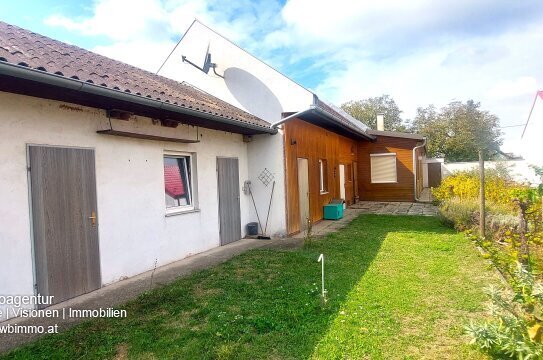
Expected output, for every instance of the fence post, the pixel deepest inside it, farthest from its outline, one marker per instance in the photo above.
(482, 194)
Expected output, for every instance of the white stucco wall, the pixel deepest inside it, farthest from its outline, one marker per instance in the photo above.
(251, 85)
(529, 146)
(260, 157)
(520, 170)
(133, 228)
(248, 83)
(425, 163)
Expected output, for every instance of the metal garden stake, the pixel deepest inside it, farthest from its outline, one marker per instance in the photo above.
(324, 292)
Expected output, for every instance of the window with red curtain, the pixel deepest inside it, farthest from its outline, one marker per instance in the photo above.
(177, 181)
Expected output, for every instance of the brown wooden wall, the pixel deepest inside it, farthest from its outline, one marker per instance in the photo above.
(305, 140)
(403, 190)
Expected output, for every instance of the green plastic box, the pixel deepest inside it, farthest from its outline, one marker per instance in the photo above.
(333, 211)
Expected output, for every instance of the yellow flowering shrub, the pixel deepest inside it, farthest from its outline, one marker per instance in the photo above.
(464, 185)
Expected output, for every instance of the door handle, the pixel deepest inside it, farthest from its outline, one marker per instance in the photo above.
(93, 218)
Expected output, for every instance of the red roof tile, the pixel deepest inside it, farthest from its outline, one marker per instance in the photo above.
(24, 48)
(172, 180)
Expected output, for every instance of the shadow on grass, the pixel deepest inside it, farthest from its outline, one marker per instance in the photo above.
(261, 304)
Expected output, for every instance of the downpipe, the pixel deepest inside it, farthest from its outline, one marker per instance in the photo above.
(415, 168)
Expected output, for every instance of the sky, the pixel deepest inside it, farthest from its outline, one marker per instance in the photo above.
(420, 52)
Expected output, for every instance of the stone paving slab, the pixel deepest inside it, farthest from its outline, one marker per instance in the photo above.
(395, 208)
(370, 207)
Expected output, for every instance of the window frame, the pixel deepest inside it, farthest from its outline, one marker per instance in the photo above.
(395, 168)
(323, 176)
(191, 175)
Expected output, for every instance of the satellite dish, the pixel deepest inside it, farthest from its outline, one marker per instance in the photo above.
(207, 63)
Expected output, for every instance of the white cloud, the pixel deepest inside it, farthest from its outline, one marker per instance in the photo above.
(418, 51)
(120, 20)
(524, 85)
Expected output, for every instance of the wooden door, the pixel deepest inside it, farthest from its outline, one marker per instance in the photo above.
(355, 181)
(303, 191)
(434, 174)
(64, 219)
(229, 210)
(342, 181)
(349, 193)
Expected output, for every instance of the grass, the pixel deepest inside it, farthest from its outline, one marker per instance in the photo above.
(399, 287)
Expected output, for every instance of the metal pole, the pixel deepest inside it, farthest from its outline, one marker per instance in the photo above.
(482, 194)
(321, 260)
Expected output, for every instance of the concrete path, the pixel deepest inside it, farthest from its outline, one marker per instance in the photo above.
(426, 195)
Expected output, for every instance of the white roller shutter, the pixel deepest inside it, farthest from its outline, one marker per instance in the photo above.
(383, 168)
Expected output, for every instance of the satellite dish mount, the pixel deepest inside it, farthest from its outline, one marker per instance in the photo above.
(207, 63)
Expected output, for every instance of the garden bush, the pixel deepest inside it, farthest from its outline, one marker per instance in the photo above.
(465, 185)
(463, 214)
(515, 328)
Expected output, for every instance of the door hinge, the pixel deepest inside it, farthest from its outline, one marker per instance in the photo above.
(28, 168)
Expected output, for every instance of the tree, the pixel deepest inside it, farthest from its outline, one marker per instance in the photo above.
(366, 111)
(458, 131)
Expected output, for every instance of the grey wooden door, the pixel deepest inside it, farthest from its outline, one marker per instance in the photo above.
(64, 219)
(434, 174)
(303, 192)
(229, 211)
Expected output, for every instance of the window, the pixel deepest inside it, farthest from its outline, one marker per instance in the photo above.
(178, 183)
(383, 168)
(323, 175)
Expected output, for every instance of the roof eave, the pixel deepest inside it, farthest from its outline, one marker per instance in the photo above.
(332, 118)
(24, 73)
(396, 134)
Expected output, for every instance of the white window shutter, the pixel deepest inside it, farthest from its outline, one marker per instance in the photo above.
(383, 168)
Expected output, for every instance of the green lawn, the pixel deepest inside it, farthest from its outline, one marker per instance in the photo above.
(399, 287)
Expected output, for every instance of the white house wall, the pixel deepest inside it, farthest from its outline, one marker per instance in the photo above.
(251, 85)
(248, 83)
(529, 146)
(520, 170)
(133, 229)
(260, 157)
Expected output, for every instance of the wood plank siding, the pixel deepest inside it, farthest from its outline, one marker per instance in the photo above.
(308, 141)
(403, 189)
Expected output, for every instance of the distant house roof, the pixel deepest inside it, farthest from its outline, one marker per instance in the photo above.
(172, 181)
(27, 56)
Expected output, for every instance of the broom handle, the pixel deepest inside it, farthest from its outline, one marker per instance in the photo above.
(269, 207)
(256, 210)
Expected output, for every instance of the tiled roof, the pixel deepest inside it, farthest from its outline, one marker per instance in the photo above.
(27, 49)
(172, 181)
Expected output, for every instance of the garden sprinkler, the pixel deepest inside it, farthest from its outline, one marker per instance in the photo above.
(324, 292)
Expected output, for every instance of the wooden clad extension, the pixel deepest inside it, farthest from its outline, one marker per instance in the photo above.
(311, 142)
(403, 189)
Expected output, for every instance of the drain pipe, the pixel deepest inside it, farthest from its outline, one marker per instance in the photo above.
(21, 72)
(415, 167)
(295, 115)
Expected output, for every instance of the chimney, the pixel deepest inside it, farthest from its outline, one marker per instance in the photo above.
(381, 122)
